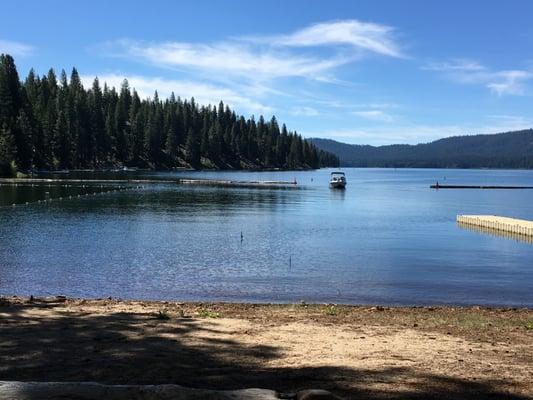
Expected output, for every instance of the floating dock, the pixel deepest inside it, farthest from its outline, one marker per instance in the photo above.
(439, 186)
(186, 181)
(502, 224)
(218, 182)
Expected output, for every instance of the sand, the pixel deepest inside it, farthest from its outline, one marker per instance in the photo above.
(355, 352)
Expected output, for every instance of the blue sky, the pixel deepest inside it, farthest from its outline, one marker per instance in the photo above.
(372, 72)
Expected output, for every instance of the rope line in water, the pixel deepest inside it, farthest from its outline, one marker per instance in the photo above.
(70, 197)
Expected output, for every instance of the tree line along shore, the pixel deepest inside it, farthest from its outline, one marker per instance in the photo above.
(51, 123)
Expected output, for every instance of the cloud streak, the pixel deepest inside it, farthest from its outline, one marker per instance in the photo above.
(16, 49)
(265, 58)
(304, 111)
(374, 115)
(504, 82)
(226, 58)
(366, 36)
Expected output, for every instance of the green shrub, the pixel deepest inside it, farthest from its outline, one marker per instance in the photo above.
(330, 310)
(204, 313)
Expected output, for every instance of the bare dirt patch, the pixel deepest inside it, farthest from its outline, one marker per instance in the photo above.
(359, 352)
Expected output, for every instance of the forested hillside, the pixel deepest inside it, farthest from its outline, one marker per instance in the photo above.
(502, 150)
(52, 122)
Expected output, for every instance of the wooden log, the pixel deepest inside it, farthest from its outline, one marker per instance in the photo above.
(96, 391)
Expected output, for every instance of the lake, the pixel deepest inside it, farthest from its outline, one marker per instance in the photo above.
(386, 239)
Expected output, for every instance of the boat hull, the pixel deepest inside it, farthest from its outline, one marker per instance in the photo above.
(337, 185)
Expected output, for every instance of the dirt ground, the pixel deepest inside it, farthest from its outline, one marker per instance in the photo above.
(355, 352)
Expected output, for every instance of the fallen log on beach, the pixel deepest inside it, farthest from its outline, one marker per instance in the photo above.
(15, 390)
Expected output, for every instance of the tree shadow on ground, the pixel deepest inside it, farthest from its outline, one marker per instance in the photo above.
(128, 348)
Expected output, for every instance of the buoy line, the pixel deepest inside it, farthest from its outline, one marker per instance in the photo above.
(70, 197)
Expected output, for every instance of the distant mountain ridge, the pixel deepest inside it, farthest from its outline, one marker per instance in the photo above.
(501, 150)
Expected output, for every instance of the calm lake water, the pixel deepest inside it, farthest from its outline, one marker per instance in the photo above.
(386, 239)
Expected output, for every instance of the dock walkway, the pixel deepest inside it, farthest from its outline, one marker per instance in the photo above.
(504, 224)
(439, 186)
(185, 181)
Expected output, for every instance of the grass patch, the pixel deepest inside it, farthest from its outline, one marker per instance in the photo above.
(529, 326)
(330, 310)
(204, 313)
(473, 321)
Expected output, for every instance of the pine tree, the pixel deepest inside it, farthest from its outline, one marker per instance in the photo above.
(110, 133)
(193, 149)
(7, 151)
(97, 123)
(137, 128)
(122, 126)
(24, 141)
(171, 144)
(64, 151)
(10, 98)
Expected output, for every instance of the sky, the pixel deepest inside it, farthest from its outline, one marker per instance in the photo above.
(366, 72)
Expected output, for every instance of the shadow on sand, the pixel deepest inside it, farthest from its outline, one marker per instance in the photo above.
(120, 348)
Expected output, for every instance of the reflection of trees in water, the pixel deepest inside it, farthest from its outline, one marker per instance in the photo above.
(187, 199)
(28, 193)
(156, 197)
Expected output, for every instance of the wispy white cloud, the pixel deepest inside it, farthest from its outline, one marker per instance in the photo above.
(367, 36)
(461, 65)
(305, 111)
(227, 59)
(336, 103)
(504, 82)
(16, 49)
(202, 92)
(374, 115)
(264, 58)
(510, 82)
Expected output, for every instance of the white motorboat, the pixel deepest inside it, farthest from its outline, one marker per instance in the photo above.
(337, 180)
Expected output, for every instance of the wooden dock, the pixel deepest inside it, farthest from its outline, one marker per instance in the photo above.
(503, 224)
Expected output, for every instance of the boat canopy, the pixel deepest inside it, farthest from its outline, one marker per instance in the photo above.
(337, 173)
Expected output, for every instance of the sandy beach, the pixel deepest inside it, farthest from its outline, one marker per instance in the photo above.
(353, 351)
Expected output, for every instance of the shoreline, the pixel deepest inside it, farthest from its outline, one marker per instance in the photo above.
(375, 352)
(272, 303)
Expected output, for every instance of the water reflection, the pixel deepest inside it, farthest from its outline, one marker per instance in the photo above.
(496, 233)
(12, 194)
(387, 238)
(337, 194)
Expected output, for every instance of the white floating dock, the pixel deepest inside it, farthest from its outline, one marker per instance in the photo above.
(503, 224)
(219, 182)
